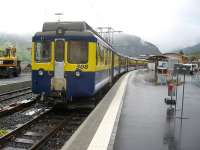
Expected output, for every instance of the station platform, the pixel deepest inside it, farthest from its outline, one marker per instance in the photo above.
(133, 116)
(9, 84)
(21, 78)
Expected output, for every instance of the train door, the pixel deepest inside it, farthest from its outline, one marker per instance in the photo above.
(59, 80)
(119, 61)
(110, 65)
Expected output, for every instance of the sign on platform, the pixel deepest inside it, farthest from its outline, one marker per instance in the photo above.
(171, 89)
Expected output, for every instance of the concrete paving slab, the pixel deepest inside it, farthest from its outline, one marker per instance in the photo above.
(22, 77)
(11, 84)
(82, 138)
(146, 123)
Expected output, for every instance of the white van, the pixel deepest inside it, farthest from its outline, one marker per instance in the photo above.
(191, 67)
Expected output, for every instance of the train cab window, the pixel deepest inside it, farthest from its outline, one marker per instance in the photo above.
(77, 52)
(43, 51)
(59, 50)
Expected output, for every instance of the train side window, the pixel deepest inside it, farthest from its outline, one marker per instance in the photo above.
(2, 53)
(43, 51)
(97, 54)
(115, 59)
(7, 52)
(102, 54)
(77, 52)
(106, 56)
(110, 57)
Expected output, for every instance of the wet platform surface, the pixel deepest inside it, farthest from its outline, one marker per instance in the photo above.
(22, 77)
(146, 123)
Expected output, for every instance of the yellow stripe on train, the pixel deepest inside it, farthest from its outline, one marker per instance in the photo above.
(90, 66)
(47, 66)
(96, 60)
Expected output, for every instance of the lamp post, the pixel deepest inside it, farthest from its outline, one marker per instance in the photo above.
(177, 72)
(107, 33)
(184, 71)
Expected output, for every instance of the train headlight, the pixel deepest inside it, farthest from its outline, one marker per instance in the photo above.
(1, 62)
(40, 73)
(77, 73)
(60, 31)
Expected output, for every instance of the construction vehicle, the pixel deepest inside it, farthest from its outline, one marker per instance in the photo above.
(9, 64)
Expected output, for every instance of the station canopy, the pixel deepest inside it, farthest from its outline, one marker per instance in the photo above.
(157, 58)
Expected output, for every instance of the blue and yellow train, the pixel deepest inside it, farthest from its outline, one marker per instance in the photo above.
(72, 60)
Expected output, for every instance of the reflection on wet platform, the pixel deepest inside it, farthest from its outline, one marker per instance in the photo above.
(146, 122)
(169, 137)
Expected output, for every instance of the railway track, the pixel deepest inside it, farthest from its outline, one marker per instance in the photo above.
(14, 101)
(17, 106)
(35, 133)
(44, 131)
(14, 94)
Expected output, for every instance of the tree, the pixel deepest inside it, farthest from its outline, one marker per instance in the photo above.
(181, 52)
(194, 58)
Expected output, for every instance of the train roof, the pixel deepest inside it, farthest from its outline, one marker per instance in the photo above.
(77, 28)
(67, 26)
(68, 33)
(71, 28)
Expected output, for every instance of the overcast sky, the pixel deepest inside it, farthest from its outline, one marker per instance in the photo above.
(169, 24)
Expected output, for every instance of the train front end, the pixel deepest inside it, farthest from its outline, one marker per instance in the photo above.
(62, 61)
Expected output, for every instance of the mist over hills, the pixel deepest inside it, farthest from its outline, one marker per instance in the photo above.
(129, 45)
(191, 50)
(134, 46)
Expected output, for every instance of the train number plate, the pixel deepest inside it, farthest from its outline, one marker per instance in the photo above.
(82, 67)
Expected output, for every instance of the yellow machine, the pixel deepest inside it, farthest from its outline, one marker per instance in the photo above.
(9, 64)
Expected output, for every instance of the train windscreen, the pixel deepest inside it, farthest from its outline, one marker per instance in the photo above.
(59, 50)
(43, 51)
(77, 52)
